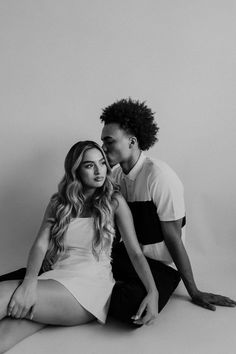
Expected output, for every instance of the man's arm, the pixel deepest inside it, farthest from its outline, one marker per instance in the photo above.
(172, 237)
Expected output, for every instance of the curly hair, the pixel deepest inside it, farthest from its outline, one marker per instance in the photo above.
(135, 118)
(69, 203)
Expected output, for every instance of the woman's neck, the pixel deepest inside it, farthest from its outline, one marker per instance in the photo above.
(87, 207)
(88, 193)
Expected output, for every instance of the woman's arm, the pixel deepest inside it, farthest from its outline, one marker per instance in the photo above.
(125, 224)
(24, 298)
(38, 249)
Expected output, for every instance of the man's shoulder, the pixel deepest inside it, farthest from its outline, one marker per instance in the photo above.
(149, 166)
(156, 166)
(152, 169)
(158, 171)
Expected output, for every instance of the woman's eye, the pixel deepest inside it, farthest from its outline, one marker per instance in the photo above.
(89, 165)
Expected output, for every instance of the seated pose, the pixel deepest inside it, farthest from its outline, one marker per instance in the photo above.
(155, 196)
(73, 247)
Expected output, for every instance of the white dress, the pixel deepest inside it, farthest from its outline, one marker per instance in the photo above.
(88, 279)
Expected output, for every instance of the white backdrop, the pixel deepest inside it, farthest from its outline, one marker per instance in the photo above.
(62, 61)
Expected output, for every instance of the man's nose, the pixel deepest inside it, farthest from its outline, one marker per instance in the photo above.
(104, 147)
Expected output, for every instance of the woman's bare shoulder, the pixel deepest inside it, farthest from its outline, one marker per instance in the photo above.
(119, 202)
(49, 213)
(117, 196)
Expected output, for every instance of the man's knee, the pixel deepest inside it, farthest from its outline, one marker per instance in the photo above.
(126, 299)
(166, 279)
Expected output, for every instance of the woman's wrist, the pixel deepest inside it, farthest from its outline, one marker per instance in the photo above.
(30, 280)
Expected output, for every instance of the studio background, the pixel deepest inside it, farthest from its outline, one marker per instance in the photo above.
(61, 62)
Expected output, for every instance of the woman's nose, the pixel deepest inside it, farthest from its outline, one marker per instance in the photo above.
(96, 170)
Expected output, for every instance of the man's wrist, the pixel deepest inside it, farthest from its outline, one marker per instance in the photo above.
(193, 292)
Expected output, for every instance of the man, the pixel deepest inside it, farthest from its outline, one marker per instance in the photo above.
(155, 196)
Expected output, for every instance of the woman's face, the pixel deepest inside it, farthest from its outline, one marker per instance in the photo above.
(92, 170)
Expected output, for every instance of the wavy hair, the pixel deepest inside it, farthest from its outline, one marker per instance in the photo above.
(69, 203)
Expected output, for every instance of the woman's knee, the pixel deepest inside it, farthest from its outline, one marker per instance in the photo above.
(7, 288)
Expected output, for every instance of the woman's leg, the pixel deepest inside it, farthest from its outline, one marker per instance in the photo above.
(55, 305)
(12, 331)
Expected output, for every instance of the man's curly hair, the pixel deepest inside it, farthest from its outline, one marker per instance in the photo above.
(135, 118)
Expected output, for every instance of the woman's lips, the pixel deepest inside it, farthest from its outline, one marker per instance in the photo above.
(99, 179)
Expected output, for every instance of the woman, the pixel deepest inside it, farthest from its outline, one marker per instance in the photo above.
(74, 245)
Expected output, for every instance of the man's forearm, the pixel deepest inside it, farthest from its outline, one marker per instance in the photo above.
(172, 237)
(182, 262)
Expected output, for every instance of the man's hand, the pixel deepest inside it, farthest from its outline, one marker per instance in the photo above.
(208, 300)
(148, 310)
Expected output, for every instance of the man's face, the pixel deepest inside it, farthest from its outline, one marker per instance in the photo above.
(116, 144)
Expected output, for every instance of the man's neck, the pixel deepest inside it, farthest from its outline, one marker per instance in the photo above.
(129, 164)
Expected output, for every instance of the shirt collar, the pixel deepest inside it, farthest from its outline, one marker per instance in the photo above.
(136, 169)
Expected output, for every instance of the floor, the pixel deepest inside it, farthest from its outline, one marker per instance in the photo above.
(181, 328)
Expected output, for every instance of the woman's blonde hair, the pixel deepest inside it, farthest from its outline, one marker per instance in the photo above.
(69, 203)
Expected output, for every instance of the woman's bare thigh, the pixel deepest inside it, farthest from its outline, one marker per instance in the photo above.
(57, 306)
(12, 331)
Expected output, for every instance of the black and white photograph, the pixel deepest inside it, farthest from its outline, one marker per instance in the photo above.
(117, 178)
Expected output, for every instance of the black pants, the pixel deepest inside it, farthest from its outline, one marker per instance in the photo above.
(128, 291)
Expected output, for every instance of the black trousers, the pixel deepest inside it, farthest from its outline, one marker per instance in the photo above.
(128, 291)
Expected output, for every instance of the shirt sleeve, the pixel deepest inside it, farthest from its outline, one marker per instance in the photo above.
(167, 192)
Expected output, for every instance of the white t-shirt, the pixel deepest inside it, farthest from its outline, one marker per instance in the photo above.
(154, 193)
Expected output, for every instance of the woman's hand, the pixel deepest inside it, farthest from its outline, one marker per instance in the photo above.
(208, 300)
(148, 310)
(23, 301)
